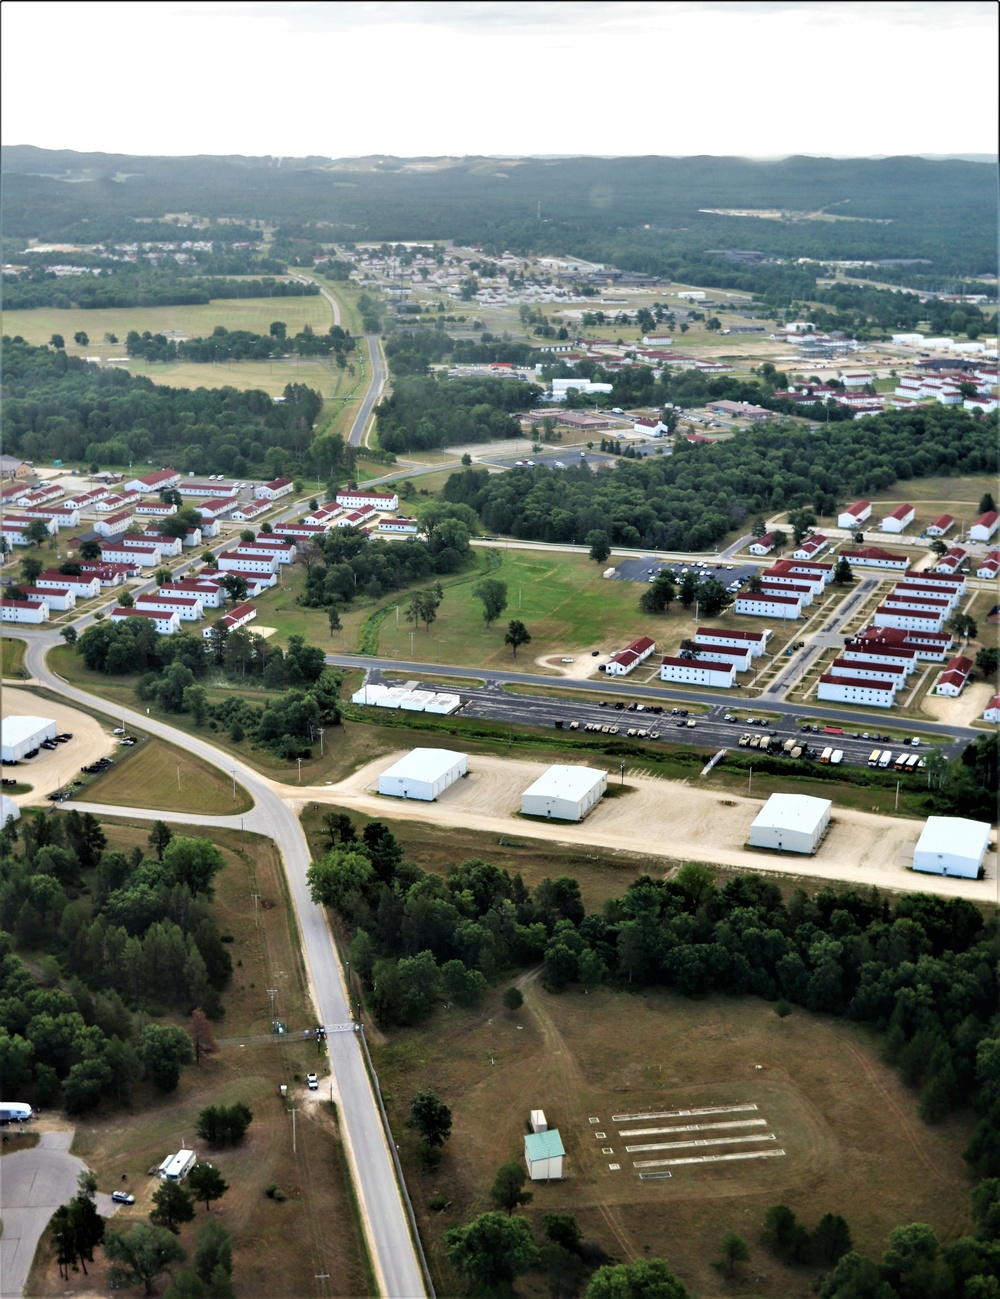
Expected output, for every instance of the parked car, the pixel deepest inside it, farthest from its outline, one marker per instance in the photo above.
(312, 1082)
(122, 1197)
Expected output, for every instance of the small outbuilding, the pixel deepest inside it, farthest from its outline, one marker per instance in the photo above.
(791, 823)
(423, 773)
(564, 793)
(544, 1154)
(538, 1123)
(19, 735)
(951, 845)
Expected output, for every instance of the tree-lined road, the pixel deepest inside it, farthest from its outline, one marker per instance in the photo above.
(388, 1232)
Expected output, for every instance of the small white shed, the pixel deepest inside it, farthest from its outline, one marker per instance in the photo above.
(791, 823)
(538, 1123)
(544, 1154)
(951, 845)
(423, 773)
(564, 793)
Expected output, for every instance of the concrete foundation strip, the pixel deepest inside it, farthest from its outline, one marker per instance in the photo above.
(704, 1141)
(683, 1114)
(692, 1127)
(709, 1159)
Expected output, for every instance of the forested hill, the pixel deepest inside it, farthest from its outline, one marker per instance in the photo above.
(906, 207)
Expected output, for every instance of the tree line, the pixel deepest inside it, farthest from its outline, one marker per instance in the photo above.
(132, 935)
(694, 497)
(172, 672)
(243, 345)
(59, 407)
(427, 411)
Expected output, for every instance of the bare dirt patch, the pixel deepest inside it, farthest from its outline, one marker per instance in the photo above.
(853, 1143)
(670, 821)
(54, 768)
(582, 667)
(963, 711)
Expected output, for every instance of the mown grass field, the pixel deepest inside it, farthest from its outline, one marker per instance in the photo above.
(12, 653)
(196, 321)
(269, 376)
(853, 1142)
(161, 775)
(278, 1248)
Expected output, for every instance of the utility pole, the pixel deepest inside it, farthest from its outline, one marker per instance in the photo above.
(321, 730)
(293, 1113)
(299, 761)
(272, 993)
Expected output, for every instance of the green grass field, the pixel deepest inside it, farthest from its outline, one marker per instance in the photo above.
(12, 653)
(255, 314)
(269, 376)
(157, 774)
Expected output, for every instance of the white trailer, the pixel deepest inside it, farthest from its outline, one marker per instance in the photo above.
(15, 1112)
(176, 1167)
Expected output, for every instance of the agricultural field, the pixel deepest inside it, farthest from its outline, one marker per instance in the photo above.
(847, 1127)
(315, 1228)
(159, 775)
(268, 376)
(198, 320)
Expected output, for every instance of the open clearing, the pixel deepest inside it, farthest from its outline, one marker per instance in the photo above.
(278, 1248)
(160, 775)
(852, 1141)
(672, 822)
(194, 321)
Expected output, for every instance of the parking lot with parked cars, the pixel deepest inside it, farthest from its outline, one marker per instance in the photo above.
(648, 568)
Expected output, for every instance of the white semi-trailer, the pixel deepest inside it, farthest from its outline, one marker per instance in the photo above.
(15, 1112)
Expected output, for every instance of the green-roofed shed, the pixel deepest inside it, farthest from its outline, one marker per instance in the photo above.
(544, 1153)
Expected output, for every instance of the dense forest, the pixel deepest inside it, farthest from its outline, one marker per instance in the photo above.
(59, 407)
(692, 498)
(424, 412)
(129, 935)
(243, 345)
(636, 213)
(923, 971)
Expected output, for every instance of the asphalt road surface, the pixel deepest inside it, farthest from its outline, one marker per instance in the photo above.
(374, 1175)
(33, 1184)
(372, 395)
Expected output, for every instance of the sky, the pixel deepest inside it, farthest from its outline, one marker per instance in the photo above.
(757, 78)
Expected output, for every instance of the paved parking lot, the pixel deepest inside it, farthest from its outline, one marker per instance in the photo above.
(641, 570)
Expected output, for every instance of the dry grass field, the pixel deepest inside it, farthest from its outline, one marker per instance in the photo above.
(852, 1141)
(160, 775)
(278, 1248)
(11, 656)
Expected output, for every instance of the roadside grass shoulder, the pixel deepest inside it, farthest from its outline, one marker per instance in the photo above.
(161, 775)
(12, 652)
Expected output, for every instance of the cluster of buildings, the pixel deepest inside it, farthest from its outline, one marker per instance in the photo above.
(717, 656)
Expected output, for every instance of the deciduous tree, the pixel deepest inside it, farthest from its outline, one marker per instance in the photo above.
(493, 594)
(141, 1254)
(173, 1206)
(507, 1191)
(516, 635)
(207, 1184)
(431, 1117)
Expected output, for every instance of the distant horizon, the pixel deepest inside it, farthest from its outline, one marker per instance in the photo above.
(989, 158)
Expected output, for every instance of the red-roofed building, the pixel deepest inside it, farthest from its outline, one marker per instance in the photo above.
(231, 561)
(992, 711)
(274, 490)
(238, 617)
(84, 587)
(894, 673)
(108, 573)
(29, 611)
(353, 500)
(165, 623)
(908, 619)
(699, 671)
(951, 561)
(953, 583)
(855, 690)
(216, 507)
(188, 607)
(940, 526)
(211, 594)
(622, 663)
(901, 517)
(62, 598)
(873, 557)
(927, 644)
(854, 515)
(763, 545)
(810, 547)
(985, 526)
(158, 481)
(250, 510)
(990, 566)
(952, 680)
(298, 531)
(764, 604)
(755, 641)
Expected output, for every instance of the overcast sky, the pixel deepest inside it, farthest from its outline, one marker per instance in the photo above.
(749, 77)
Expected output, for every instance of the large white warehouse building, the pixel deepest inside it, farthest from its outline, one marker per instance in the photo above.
(423, 774)
(791, 823)
(564, 793)
(951, 845)
(19, 735)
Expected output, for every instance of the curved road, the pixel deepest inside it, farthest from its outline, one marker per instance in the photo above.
(392, 1250)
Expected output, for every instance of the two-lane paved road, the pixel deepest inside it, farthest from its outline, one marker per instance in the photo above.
(388, 1231)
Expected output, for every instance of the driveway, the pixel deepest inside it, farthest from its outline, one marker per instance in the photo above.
(33, 1184)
